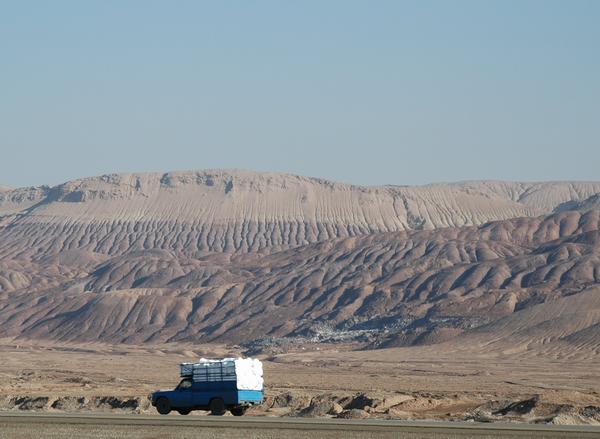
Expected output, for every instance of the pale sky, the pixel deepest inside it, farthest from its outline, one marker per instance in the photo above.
(368, 92)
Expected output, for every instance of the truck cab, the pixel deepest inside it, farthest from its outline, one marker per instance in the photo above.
(216, 396)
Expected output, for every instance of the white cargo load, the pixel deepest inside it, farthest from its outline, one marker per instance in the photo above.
(246, 372)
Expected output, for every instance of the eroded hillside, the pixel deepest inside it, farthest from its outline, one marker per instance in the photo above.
(61, 278)
(202, 212)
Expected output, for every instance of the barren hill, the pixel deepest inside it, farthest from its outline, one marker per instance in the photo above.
(234, 211)
(380, 289)
(266, 259)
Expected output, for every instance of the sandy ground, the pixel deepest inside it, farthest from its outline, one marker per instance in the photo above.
(407, 383)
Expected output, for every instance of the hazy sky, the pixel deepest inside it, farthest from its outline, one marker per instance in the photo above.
(368, 92)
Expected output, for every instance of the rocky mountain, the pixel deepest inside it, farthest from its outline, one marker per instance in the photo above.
(232, 211)
(266, 259)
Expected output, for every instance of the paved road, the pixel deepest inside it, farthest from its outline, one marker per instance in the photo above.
(337, 425)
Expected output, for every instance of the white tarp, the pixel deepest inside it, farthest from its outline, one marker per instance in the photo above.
(247, 372)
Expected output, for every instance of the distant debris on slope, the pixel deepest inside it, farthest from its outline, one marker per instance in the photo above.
(560, 326)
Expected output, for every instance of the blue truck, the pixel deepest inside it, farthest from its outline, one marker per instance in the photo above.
(213, 386)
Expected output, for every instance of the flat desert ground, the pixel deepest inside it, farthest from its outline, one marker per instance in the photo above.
(400, 383)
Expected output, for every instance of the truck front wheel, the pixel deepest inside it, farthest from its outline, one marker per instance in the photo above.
(217, 407)
(163, 406)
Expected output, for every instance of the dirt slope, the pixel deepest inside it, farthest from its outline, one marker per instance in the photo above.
(382, 289)
(234, 211)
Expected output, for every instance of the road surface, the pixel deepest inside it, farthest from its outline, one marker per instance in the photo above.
(19, 425)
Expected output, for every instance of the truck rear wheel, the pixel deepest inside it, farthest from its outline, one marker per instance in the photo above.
(183, 411)
(217, 407)
(238, 411)
(163, 406)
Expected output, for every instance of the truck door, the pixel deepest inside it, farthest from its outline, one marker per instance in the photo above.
(183, 395)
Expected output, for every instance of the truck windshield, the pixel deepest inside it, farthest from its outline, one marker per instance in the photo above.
(184, 384)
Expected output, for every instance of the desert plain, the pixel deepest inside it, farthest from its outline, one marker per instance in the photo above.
(433, 383)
